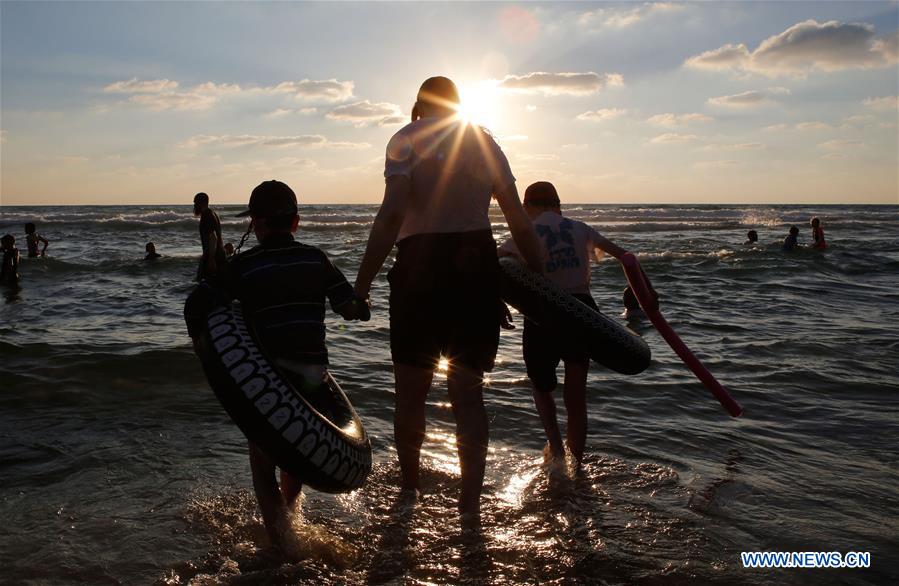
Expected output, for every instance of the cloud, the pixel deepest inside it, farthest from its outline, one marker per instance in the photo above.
(576, 146)
(165, 94)
(833, 156)
(857, 120)
(285, 111)
(602, 114)
(841, 144)
(552, 84)
(727, 164)
(743, 146)
(804, 47)
(775, 128)
(669, 119)
(815, 125)
(264, 141)
(216, 89)
(365, 112)
(512, 138)
(135, 86)
(748, 99)
(884, 103)
(537, 157)
(625, 17)
(173, 101)
(159, 94)
(674, 138)
(329, 90)
(393, 120)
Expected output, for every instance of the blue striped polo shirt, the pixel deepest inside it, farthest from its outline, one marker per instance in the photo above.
(282, 285)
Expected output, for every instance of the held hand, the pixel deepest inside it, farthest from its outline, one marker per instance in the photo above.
(363, 309)
(362, 292)
(354, 309)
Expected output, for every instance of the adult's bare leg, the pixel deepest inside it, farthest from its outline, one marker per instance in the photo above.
(466, 395)
(576, 406)
(412, 386)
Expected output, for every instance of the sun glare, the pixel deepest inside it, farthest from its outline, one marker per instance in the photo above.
(479, 104)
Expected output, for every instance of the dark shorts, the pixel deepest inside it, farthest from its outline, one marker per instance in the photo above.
(544, 347)
(444, 301)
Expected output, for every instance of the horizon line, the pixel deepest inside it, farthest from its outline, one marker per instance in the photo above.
(732, 204)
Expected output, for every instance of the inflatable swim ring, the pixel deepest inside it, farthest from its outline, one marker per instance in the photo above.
(606, 341)
(311, 431)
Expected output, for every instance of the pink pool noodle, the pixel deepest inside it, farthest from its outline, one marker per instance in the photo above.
(647, 301)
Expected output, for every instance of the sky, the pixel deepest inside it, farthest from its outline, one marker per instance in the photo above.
(729, 102)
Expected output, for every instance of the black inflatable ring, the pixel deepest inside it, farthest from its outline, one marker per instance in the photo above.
(330, 453)
(605, 340)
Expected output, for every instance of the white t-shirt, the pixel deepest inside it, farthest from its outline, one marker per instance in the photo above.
(455, 169)
(567, 246)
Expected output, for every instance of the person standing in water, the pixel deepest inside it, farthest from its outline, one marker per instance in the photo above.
(9, 274)
(440, 175)
(752, 238)
(282, 285)
(210, 238)
(818, 235)
(567, 246)
(32, 238)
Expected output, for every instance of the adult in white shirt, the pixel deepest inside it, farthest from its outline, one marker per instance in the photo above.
(441, 173)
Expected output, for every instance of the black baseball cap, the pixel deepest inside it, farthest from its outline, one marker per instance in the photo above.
(541, 193)
(271, 199)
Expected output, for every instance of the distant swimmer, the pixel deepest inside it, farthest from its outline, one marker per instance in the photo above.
(752, 238)
(791, 241)
(210, 238)
(567, 246)
(32, 238)
(818, 235)
(151, 252)
(9, 274)
(229, 249)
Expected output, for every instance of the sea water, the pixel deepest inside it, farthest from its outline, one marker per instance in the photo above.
(118, 465)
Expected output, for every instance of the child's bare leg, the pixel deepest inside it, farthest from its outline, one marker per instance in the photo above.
(290, 488)
(271, 502)
(576, 406)
(546, 407)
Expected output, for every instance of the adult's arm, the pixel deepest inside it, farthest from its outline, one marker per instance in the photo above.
(521, 227)
(384, 231)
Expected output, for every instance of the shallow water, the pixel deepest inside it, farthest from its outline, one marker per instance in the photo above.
(118, 465)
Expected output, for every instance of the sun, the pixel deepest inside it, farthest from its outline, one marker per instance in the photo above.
(480, 104)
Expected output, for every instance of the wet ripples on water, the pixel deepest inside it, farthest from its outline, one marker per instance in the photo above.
(117, 464)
